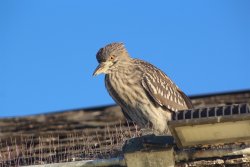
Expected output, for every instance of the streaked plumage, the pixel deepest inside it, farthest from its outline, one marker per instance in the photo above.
(146, 95)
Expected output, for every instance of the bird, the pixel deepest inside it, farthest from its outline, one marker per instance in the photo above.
(146, 95)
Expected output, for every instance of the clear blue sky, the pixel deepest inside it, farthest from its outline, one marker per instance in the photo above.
(47, 48)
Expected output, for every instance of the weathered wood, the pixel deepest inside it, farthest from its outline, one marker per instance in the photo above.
(151, 158)
(87, 163)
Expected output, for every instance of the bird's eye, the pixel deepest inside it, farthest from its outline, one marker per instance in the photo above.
(112, 57)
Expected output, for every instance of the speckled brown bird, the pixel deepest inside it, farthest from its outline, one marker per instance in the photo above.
(146, 94)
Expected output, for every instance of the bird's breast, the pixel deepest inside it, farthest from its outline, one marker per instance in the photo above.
(128, 87)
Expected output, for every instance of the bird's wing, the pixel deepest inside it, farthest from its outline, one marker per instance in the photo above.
(162, 90)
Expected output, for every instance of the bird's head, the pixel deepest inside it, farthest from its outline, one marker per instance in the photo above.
(109, 58)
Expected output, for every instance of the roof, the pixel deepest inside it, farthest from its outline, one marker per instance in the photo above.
(90, 133)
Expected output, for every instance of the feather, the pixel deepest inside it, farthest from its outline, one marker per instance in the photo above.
(162, 90)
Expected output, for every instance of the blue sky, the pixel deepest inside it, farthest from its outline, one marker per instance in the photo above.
(47, 48)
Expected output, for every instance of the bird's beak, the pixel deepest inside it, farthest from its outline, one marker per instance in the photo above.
(101, 68)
